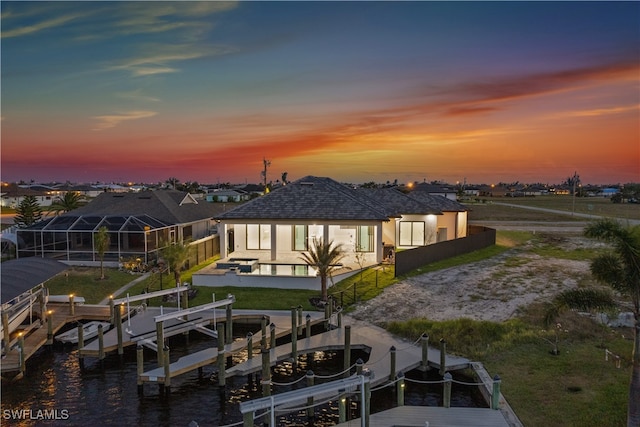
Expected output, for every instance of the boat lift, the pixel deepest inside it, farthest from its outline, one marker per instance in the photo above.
(295, 397)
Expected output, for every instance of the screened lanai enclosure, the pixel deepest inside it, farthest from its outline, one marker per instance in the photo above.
(71, 239)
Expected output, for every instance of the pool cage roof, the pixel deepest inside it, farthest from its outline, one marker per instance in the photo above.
(90, 223)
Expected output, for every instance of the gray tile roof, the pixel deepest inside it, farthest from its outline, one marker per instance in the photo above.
(397, 203)
(310, 198)
(163, 205)
(322, 198)
(438, 202)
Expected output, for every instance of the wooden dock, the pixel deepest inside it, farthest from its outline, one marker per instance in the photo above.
(376, 340)
(193, 361)
(37, 335)
(435, 416)
(363, 336)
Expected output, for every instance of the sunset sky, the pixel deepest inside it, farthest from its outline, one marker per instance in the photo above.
(357, 91)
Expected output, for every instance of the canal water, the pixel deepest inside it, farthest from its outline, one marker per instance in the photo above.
(105, 393)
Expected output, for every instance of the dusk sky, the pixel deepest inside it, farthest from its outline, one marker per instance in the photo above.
(356, 91)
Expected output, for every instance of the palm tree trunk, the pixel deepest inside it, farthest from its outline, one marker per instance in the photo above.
(323, 287)
(633, 416)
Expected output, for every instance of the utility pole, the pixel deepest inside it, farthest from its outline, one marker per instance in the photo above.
(574, 179)
(266, 163)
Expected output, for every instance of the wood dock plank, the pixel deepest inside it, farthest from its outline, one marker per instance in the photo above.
(37, 337)
(436, 416)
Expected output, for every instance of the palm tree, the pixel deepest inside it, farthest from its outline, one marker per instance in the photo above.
(101, 242)
(176, 256)
(323, 257)
(28, 212)
(620, 269)
(70, 201)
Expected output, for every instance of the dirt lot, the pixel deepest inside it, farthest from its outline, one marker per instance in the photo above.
(493, 289)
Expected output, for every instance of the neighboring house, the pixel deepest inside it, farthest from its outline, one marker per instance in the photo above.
(436, 190)
(224, 196)
(13, 194)
(278, 227)
(493, 191)
(85, 190)
(471, 191)
(139, 225)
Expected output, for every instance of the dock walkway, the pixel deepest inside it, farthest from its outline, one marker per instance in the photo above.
(210, 355)
(363, 336)
(37, 337)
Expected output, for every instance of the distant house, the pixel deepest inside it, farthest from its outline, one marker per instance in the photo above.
(225, 195)
(436, 190)
(85, 190)
(12, 195)
(279, 227)
(139, 225)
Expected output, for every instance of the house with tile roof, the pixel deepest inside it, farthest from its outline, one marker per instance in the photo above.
(139, 226)
(277, 228)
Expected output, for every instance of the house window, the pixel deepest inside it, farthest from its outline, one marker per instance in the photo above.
(364, 234)
(258, 236)
(411, 233)
(300, 237)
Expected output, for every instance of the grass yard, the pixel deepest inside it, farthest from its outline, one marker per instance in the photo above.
(85, 282)
(587, 205)
(490, 211)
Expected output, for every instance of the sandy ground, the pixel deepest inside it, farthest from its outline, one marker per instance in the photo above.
(493, 289)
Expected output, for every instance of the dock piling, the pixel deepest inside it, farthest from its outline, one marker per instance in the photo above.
(167, 370)
(160, 341)
(5, 328)
(222, 373)
(347, 351)
(80, 345)
(294, 335)
(400, 389)
(49, 327)
(308, 326)
(111, 310)
(140, 368)
(446, 395)
(299, 332)
(392, 370)
(229, 324)
(310, 381)
(118, 322)
(21, 350)
(100, 343)
(266, 380)
(424, 341)
(272, 338)
(495, 395)
(72, 308)
(249, 346)
(263, 329)
(342, 406)
(443, 355)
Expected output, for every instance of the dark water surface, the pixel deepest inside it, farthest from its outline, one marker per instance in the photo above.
(108, 396)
